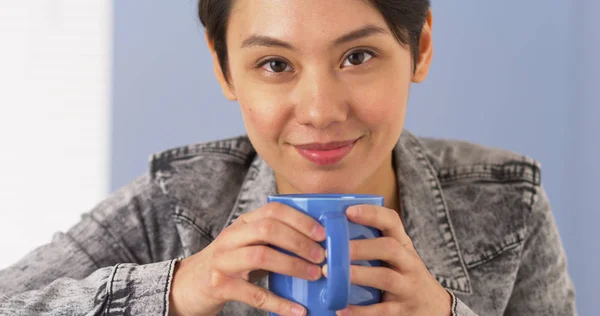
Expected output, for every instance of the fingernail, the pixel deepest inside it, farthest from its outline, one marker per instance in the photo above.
(344, 312)
(317, 254)
(314, 271)
(298, 310)
(324, 270)
(318, 232)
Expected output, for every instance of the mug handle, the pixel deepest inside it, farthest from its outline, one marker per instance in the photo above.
(338, 261)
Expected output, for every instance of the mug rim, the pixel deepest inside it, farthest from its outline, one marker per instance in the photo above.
(327, 196)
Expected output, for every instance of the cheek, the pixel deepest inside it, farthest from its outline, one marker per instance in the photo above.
(382, 107)
(379, 101)
(261, 110)
(262, 115)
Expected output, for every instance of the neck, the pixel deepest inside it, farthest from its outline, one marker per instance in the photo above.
(383, 182)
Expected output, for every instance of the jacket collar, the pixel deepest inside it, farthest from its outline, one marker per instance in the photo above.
(425, 215)
(424, 211)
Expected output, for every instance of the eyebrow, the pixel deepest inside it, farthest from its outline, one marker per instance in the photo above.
(267, 41)
(365, 31)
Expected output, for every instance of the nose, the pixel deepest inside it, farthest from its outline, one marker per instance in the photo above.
(321, 101)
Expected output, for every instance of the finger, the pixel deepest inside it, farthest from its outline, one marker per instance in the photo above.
(273, 232)
(386, 220)
(290, 216)
(386, 308)
(260, 298)
(266, 258)
(381, 278)
(387, 249)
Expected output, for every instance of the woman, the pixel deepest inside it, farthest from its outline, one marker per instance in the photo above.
(323, 88)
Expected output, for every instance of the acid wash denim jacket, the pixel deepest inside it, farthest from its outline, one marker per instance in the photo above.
(477, 216)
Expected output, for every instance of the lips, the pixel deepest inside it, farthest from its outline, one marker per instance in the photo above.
(323, 154)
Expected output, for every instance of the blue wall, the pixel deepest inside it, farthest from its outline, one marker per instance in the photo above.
(521, 75)
(581, 166)
(164, 91)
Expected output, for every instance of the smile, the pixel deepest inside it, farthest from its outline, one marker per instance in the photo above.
(324, 154)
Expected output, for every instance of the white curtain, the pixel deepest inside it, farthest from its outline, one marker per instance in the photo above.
(54, 117)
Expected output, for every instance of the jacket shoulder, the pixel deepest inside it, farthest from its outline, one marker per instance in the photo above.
(235, 150)
(463, 161)
(489, 193)
(203, 180)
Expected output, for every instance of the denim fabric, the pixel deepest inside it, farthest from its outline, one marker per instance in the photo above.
(478, 217)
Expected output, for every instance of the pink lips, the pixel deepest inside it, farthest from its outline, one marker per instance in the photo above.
(325, 154)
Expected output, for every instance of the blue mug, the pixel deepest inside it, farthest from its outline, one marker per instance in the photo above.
(327, 295)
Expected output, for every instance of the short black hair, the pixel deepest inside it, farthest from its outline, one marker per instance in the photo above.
(405, 18)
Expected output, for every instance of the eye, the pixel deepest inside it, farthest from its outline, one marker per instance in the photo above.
(276, 66)
(357, 58)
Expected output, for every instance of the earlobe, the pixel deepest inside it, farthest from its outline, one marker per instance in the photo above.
(425, 51)
(227, 88)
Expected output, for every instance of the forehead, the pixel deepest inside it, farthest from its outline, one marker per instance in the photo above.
(300, 20)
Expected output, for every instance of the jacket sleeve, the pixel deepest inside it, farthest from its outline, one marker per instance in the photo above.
(459, 308)
(543, 286)
(117, 260)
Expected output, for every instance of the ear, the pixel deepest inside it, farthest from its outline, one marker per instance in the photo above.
(227, 88)
(425, 51)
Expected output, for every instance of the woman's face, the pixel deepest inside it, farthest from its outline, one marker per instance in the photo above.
(323, 87)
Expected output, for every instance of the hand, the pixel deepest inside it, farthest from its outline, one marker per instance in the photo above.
(225, 270)
(409, 288)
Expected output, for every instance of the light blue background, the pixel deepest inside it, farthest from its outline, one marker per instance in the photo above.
(521, 75)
